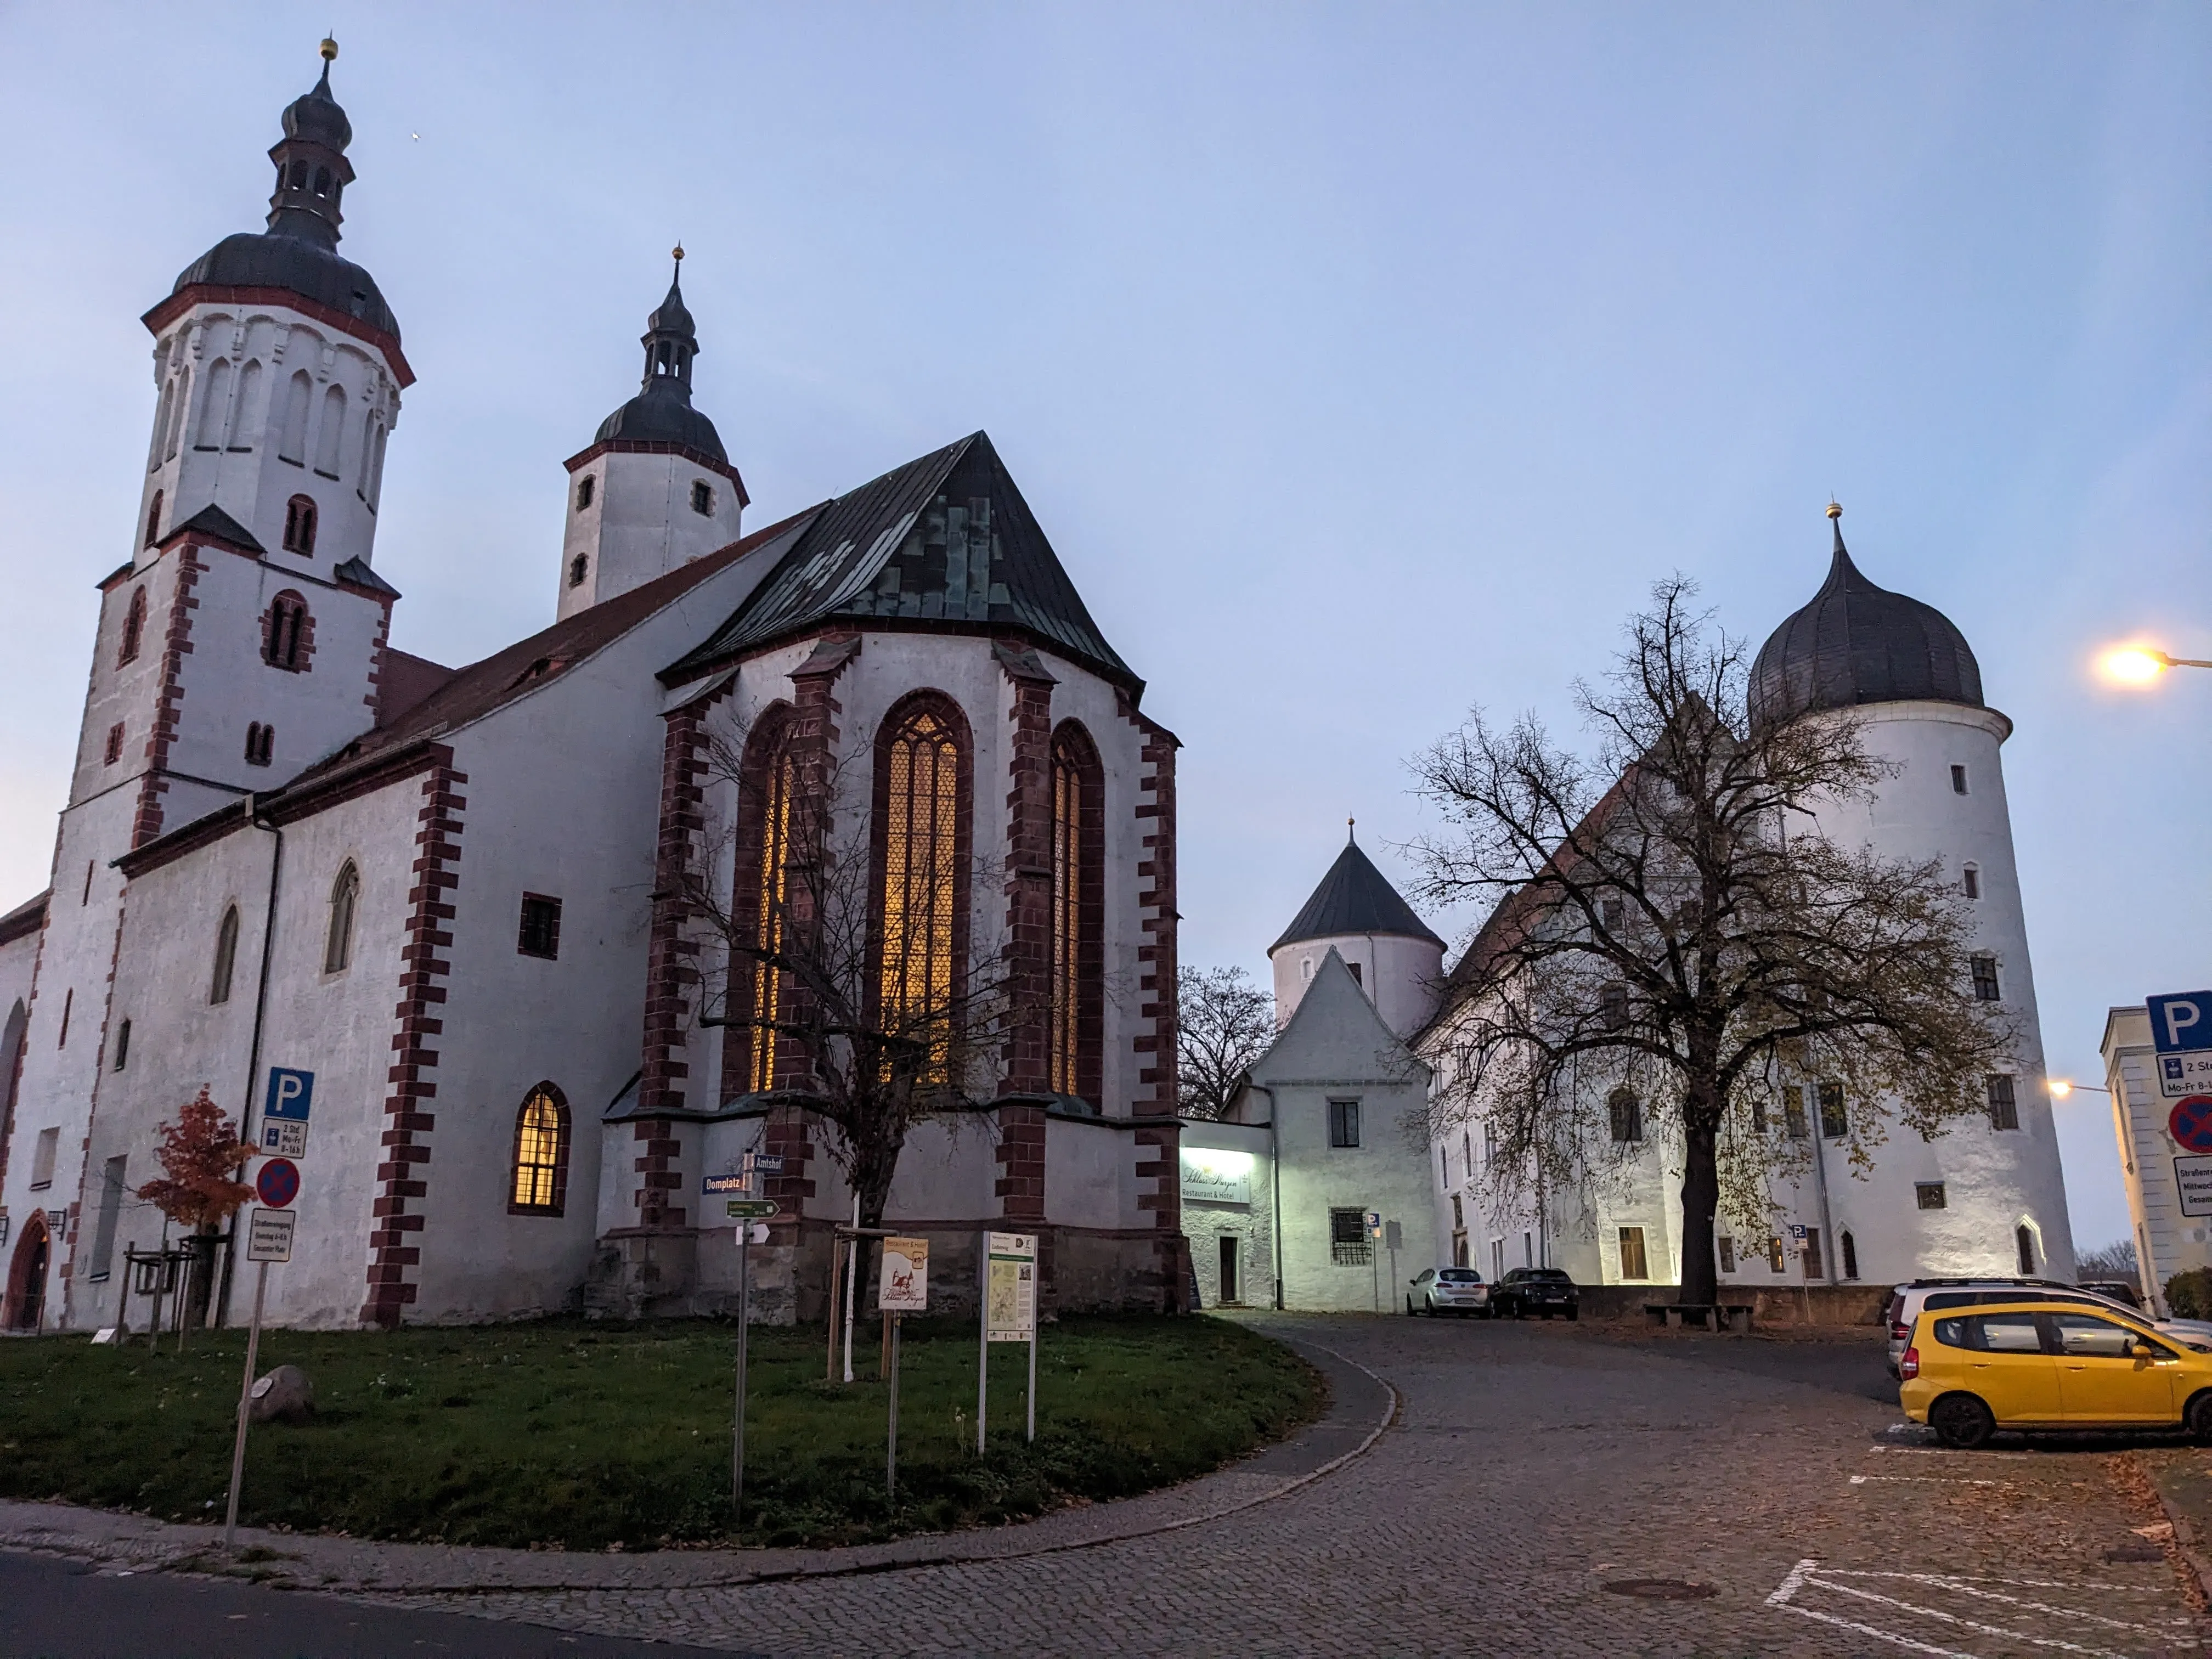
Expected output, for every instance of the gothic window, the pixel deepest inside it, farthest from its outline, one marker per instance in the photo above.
(540, 933)
(154, 520)
(177, 415)
(286, 645)
(215, 405)
(584, 486)
(579, 568)
(134, 627)
(114, 752)
(922, 849)
(292, 444)
(300, 524)
(241, 407)
(1628, 1115)
(260, 744)
(333, 428)
(345, 899)
(226, 957)
(1077, 912)
(541, 1154)
(769, 780)
(2023, 1238)
(122, 1045)
(161, 422)
(376, 468)
(703, 497)
(1850, 1256)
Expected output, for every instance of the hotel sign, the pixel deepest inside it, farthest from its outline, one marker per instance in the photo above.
(1216, 1177)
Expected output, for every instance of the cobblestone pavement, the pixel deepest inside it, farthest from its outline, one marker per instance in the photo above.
(1533, 1472)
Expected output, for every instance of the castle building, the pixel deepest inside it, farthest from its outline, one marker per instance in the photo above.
(513, 920)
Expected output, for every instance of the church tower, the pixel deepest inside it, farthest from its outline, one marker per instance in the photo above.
(655, 489)
(1394, 956)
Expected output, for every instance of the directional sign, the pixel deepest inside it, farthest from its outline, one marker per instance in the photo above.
(726, 1183)
(751, 1209)
(284, 1114)
(269, 1235)
(278, 1182)
(2191, 1123)
(766, 1163)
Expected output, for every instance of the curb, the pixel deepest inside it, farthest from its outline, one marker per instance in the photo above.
(2185, 1541)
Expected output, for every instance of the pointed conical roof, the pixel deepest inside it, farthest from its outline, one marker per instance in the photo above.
(1856, 643)
(1354, 897)
(944, 543)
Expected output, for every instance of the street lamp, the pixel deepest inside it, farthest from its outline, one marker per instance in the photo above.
(2139, 664)
(2060, 1087)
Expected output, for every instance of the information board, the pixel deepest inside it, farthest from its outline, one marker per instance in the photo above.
(1009, 1292)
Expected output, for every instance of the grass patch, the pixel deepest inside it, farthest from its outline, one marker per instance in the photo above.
(585, 1436)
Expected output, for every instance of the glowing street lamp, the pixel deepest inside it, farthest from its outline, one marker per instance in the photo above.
(2060, 1088)
(2140, 664)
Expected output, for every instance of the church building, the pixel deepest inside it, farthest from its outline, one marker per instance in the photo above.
(521, 923)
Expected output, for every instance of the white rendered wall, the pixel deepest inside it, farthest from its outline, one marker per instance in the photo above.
(1206, 1222)
(1402, 976)
(2166, 1241)
(640, 524)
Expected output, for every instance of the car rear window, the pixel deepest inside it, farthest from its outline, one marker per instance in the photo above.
(1460, 1276)
(1552, 1274)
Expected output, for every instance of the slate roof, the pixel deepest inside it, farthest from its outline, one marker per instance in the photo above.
(945, 540)
(662, 413)
(1857, 643)
(26, 918)
(271, 259)
(1354, 897)
(212, 521)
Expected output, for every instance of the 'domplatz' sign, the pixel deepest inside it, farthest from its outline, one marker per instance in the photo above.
(904, 1286)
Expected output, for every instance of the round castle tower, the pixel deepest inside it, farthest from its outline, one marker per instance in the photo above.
(1356, 911)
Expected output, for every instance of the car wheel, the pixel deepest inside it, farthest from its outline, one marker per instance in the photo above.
(1961, 1422)
(2197, 1418)
(1574, 1313)
(1545, 1316)
(1409, 1307)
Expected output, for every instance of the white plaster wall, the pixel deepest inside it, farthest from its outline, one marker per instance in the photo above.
(1205, 1222)
(2166, 1241)
(1089, 1178)
(1401, 976)
(640, 524)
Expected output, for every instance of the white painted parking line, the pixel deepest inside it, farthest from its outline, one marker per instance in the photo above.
(1809, 1575)
(1928, 1479)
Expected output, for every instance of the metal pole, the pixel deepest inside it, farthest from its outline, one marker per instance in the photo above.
(744, 1326)
(245, 1400)
(891, 1445)
(851, 1274)
(983, 1347)
(1033, 1342)
(829, 1366)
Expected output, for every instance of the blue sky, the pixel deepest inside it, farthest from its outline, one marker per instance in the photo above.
(1364, 362)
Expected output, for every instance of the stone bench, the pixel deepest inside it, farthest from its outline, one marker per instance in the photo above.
(1703, 1315)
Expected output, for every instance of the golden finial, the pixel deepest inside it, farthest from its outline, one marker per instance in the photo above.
(1835, 511)
(330, 50)
(679, 254)
(1351, 829)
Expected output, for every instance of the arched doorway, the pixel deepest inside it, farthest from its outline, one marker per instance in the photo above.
(27, 1278)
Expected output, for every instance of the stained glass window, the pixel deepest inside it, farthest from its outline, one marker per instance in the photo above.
(921, 881)
(1071, 860)
(541, 1153)
(771, 875)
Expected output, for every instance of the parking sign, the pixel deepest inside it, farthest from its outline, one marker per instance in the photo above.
(284, 1113)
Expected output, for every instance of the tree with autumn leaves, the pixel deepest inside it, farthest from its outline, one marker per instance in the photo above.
(203, 1155)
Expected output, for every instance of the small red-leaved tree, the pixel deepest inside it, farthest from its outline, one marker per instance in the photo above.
(203, 1155)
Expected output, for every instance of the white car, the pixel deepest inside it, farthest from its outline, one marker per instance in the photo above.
(1906, 1301)
(1458, 1290)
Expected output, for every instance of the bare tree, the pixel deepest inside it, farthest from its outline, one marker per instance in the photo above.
(1680, 943)
(1222, 1023)
(877, 1019)
(2114, 1260)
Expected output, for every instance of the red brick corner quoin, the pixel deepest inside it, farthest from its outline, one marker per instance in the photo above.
(393, 1245)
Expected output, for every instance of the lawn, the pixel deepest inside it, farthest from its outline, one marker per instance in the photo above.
(586, 1434)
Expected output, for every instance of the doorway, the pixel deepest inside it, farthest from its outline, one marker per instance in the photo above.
(1232, 1291)
(26, 1277)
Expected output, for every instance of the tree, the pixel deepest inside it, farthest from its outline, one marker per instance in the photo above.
(2114, 1260)
(1680, 937)
(203, 1154)
(1222, 1023)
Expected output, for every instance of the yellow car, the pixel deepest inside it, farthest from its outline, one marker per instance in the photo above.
(1968, 1372)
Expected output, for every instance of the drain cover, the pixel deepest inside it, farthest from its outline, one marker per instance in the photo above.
(1662, 1589)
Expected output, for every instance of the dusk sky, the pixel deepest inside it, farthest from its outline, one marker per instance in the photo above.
(1363, 363)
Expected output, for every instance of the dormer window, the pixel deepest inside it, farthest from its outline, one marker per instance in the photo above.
(300, 525)
(584, 488)
(703, 498)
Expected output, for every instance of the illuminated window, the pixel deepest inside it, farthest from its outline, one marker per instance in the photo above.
(1633, 1262)
(771, 777)
(919, 781)
(1077, 901)
(541, 1154)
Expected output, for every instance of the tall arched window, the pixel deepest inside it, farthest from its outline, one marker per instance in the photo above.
(300, 524)
(293, 447)
(226, 956)
(161, 422)
(154, 520)
(332, 432)
(541, 1154)
(345, 899)
(286, 645)
(177, 415)
(922, 790)
(768, 780)
(134, 627)
(1078, 913)
(242, 408)
(215, 408)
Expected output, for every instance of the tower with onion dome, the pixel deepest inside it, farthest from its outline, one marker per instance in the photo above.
(655, 489)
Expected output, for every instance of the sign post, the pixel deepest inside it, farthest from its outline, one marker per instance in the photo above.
(901, 1288)
(1374, 1260)
(268, 1239)
(745, 1212)
(1009, 1315)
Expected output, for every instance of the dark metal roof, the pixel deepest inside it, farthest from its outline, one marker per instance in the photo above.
(26, 918)
(212, 521)
(268, 259)
(315, 116)
(662, 413)
(946, 538)
(1354, 897)
(1857, 643)
(356, 571)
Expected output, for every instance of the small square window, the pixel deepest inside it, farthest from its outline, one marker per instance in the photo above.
(1348, 1243)
(1973, 882)
(584, 486)
(703, 498)
(1986, 988)
(1958, 780)
(2004, 1104)
(540, 927)
(1344, 1123)
(1929, 1194)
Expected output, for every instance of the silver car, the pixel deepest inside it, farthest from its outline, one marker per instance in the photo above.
(1458, 1290)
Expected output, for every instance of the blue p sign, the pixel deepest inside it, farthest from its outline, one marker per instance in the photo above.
(2181, 1022)
(291, 1095)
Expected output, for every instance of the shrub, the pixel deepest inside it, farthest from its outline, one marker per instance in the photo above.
(2189, 1295)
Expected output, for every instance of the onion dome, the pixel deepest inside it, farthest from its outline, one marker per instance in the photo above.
(1354, 897)
(1856, 643)
(661, 413)
(299, 251)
